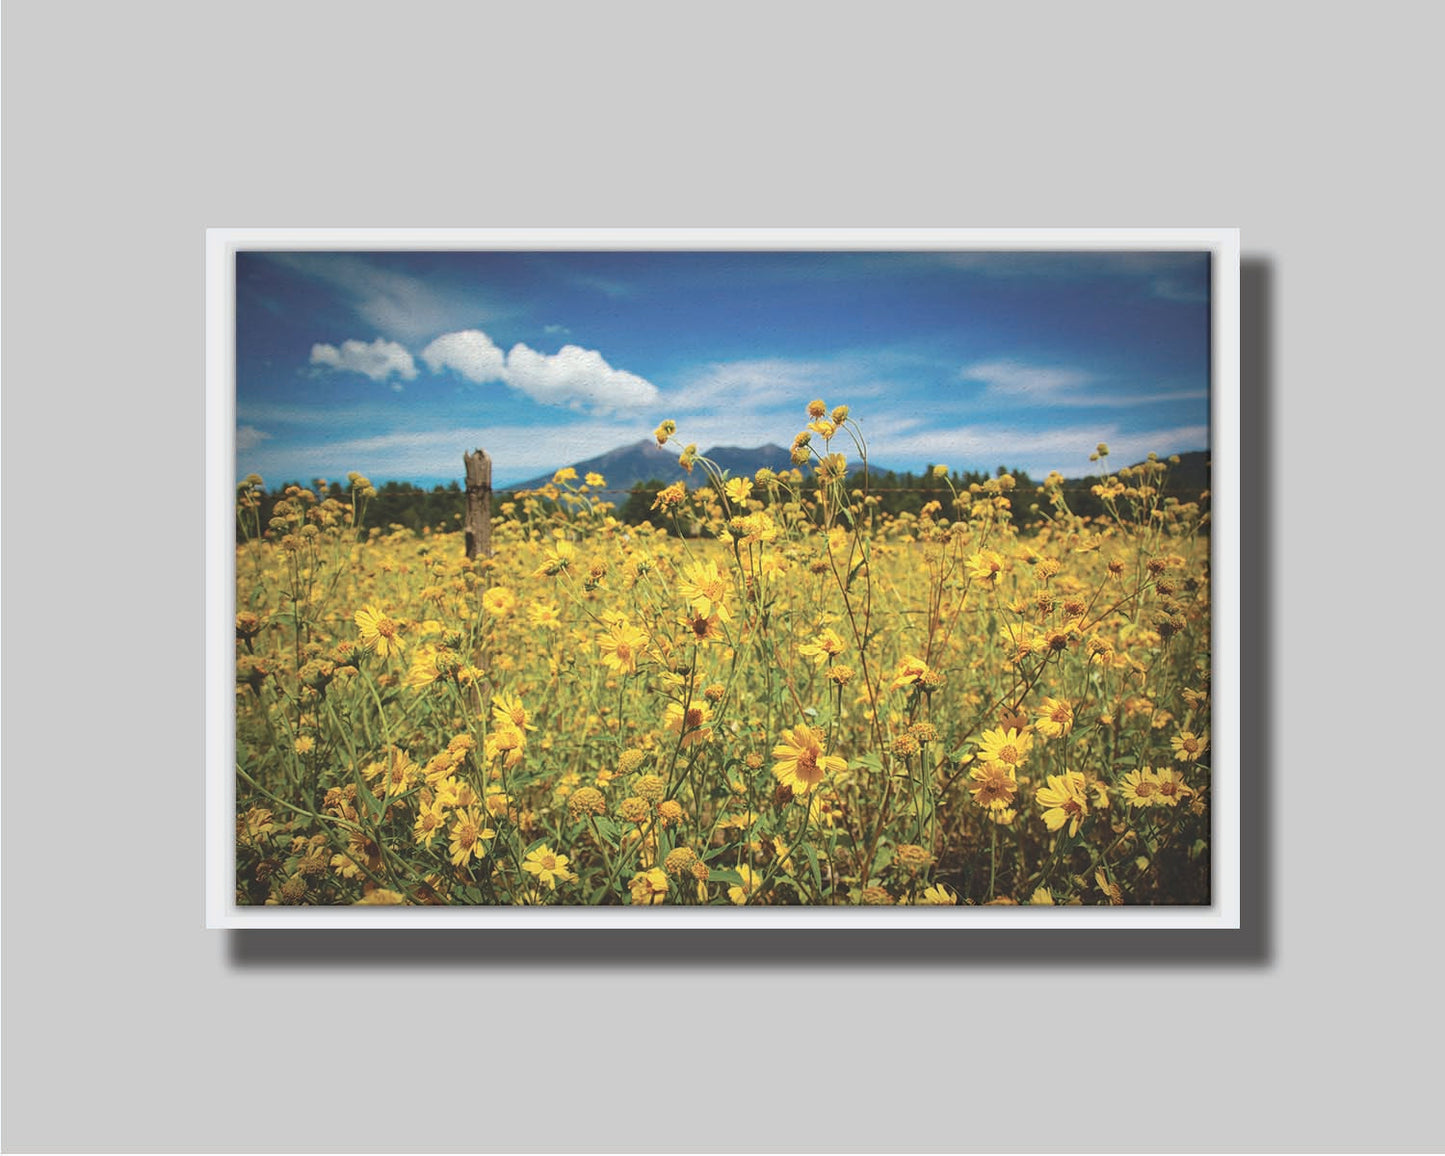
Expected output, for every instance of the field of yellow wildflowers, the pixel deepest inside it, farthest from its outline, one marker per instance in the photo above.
(792, 698)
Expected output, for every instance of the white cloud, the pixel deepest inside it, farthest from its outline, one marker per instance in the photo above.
(378, 361)
(576, 377)
(573, 376)
(248, 437)
(1019, 379)
(469, 352)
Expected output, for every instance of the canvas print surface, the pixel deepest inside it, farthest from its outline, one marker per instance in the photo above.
(732, 578)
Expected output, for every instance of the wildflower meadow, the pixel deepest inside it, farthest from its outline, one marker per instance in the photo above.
(770, 692)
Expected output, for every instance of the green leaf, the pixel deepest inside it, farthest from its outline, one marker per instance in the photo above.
(375, 807)
(812, 857)
(881, 859)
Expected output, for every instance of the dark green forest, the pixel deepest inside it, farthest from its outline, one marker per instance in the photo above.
(442, 508)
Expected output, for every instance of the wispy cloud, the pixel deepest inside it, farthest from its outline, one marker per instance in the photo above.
(1063, 386)
(1170, 276)
(377, 360)
(778, 385)
(391, 302)
(1179, 289)
(300, 414)
(519, 452)
(1065, 449)
(1017, 379)
(1132, 400)
(1067, 264)
(248, 437)
(607, 286)
(749, 385)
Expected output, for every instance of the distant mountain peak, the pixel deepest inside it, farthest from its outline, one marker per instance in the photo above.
(643, 461)
(771, 448)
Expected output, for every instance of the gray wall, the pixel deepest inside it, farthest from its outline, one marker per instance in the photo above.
(130, 128)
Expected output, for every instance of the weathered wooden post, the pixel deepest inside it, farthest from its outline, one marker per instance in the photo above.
(479, 504)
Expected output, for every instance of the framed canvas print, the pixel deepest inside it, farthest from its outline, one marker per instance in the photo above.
(731, 578)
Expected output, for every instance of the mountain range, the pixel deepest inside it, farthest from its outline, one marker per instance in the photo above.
(644, 461)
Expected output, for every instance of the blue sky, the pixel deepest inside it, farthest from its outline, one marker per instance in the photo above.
(397, 363)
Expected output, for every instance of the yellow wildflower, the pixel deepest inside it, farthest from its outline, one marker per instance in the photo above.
(621, 645)
(469, 835)
(802, 760)
(742, 891)
(1064, 800)
(378, 632)
(738, 489)
(649, 887)
(1005, 746)
(499, 602)
(547, 866)
(825, 645)
(1188, 746)
(1055, 718)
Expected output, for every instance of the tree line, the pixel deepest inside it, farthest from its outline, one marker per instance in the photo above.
(443, 507)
